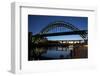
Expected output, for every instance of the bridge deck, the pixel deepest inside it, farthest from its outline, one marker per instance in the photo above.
(62, 33)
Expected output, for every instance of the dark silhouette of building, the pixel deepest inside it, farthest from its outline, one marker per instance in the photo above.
(30, 46)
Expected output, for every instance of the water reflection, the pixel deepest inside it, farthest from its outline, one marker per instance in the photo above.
(56, 53)
(47, 53)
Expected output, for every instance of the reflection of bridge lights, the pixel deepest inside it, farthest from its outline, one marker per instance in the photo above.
(71, 47)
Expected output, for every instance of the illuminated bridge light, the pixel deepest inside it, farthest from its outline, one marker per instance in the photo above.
(75, 42)
(64, 42)
(60, 41)
(70, 42)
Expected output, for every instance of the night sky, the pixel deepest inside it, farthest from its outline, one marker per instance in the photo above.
(37, 22)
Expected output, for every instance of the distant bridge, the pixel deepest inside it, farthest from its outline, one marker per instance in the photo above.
(59, 26)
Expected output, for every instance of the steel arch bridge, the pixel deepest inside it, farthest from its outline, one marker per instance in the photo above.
(64, 24)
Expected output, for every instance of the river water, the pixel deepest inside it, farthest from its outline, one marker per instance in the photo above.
(47, 53)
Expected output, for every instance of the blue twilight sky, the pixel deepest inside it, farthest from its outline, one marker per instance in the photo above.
(37, 22)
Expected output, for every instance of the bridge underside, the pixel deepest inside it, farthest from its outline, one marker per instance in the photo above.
(62, 33)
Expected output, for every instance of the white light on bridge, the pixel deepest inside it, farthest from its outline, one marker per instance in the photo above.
(64, 42)
(60, 41)
(77, 41)
(71, 42)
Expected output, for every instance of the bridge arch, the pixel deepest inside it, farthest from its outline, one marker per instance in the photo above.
(61, 24)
